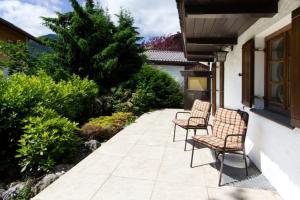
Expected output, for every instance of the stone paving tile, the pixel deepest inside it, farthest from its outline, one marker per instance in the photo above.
(116, 148)
(101, 163)
(140, 168)
(178, 191)
(152, 140)
(146, 152)
(118, 188)
(73, 186)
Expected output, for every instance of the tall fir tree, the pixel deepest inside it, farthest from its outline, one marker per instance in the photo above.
(90, 45)
(125, 56)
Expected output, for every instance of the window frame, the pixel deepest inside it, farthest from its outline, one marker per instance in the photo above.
(283, 108)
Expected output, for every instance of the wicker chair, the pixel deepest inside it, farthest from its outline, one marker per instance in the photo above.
(199, 117)
(228, 135)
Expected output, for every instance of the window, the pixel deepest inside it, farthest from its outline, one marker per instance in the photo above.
(197, 83)
(277, 77)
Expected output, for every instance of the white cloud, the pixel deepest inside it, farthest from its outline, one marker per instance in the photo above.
(153, 17)
(27, 15)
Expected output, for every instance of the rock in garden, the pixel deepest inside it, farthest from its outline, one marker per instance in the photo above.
(1, 192)
(92, 145)
(62, 168)
(13, 191)
(43, 183)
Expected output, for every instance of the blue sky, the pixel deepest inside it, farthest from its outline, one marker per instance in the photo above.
(153, 17)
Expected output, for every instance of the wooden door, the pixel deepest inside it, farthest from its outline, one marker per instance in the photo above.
(197, 86)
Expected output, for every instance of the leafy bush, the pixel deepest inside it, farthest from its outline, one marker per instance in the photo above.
(148, 89)
(106, 126)
(48, 62)
(20, 93)
(18, 58)
(47, 139)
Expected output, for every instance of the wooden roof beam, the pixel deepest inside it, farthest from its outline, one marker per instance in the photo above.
(222, 41)
(221, 10)
(203, 53)
(200, 59)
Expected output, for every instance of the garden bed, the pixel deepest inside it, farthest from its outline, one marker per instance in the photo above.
(92, 134)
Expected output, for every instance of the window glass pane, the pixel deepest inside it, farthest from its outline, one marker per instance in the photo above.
(277, 93)
(276, 71)
(197, 83)
(277, 48)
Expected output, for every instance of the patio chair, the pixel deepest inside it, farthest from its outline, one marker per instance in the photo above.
(228, 136)
(199, 117)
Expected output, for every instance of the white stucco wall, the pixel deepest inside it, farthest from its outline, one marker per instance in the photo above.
(174, 71)
(272, 147)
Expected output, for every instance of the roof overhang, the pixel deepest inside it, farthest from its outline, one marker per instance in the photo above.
(19, 30)
(172, 63)
(210, 25)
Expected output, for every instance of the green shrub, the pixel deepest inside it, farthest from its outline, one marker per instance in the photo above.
(106, 126)
(48, 138)
(74, 98)
(24, 194)
(20, 93)
(148, 89)
(17, 56)
(48, 62)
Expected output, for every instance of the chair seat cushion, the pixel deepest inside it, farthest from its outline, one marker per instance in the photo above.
(217, 143)
(184, 123)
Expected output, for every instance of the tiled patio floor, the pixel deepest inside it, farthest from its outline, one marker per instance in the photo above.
(142, 163)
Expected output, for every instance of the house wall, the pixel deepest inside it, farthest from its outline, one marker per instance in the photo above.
(7, 33)
(174, 71)
(273, 148)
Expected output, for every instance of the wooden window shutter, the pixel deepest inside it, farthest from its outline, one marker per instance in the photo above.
(248, 73)
(295, 69)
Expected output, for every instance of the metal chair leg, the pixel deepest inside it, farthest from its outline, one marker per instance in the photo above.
(174, 133)
(195, 132)
(245, 158)
(216, 156)
(192, 154)
(221, 168)
(186, 137)
(207, 131)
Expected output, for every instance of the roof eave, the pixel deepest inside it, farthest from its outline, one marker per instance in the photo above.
(15, 28)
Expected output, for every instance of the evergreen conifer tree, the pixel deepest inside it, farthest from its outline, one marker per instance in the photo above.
(90, 45)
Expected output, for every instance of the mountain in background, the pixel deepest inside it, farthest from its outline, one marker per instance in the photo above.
(36, 48)
(49, 36)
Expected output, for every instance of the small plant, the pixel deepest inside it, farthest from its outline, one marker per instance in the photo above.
(48, 139)
(24, 194)
(106, 126)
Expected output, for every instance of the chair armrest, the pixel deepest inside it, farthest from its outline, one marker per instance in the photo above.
(196, 118)
(181, 113)
(233, 135)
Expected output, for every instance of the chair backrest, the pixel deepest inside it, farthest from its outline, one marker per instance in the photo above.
(200, 109)
(230, 122)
